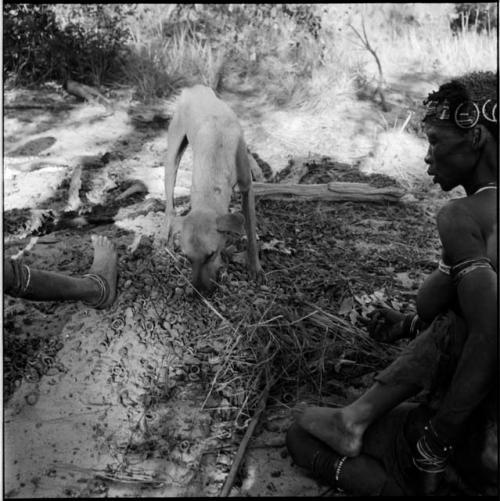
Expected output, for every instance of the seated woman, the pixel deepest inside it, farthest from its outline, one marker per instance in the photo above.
(96, 288)
(376, 446)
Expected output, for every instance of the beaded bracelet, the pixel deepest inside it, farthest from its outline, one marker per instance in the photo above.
(465, 267)
(414, 330)
(338, 469)
(22, 278)
(410, 326)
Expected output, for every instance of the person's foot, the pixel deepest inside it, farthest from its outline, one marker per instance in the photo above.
(332, 427)
(105, 265)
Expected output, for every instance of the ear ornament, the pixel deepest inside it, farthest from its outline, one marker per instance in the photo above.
(469, 118)
(490, 117)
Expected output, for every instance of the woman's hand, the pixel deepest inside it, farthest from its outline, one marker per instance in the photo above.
(386, 325)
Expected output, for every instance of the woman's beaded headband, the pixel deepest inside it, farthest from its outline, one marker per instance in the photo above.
(467, 114)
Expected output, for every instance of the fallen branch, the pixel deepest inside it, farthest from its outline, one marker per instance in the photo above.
(244, 442)
(25, 241)
(37, 162)
(51, 107)
(334, 192)
(85, 92)
(136, 187)
(269, 443)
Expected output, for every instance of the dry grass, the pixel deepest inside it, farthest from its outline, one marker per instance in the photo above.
(446, 54)
(398, 155)
(272, 345)
(309, 88)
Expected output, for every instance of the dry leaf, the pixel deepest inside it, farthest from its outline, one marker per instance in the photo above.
(346, 306)
(239, 257)
(405, 280)
(276, 245)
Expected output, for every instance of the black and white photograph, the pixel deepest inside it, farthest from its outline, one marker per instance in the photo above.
(250, 250)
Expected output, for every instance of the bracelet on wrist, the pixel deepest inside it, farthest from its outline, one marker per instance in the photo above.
(411, 326)
(444, 268)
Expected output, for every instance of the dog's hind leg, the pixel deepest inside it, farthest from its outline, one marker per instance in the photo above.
(177, 143)
(244, 178)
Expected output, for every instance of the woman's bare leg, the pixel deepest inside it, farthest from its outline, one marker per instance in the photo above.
(52, 286)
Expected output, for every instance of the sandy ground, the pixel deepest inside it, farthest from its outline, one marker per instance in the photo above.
(119, 407)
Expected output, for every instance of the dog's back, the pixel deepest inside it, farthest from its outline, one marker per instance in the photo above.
(213, 131)
(199, 105)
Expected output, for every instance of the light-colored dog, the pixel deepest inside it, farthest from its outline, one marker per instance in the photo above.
(220, 161)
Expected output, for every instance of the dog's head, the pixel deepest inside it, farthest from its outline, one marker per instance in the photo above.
(202, 238)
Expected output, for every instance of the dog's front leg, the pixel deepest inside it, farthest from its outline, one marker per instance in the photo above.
(169, 202)
(248, 206)
(177, 143)
(244, 178)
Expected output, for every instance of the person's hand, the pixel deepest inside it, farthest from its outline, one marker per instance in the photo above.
(385, 325)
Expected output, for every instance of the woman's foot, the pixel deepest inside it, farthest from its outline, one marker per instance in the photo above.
(105, 265)
(331, 426)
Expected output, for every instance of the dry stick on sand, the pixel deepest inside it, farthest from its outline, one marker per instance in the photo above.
(32, 106)
(244, 442)
(85, 92)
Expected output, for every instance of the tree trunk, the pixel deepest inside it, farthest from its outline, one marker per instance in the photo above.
(85, 92)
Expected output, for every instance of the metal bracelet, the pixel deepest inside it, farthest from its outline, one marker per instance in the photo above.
(413, 327)
(464, 120)
(103, 290)
(28, 280)
(339, 467)
(444, 268)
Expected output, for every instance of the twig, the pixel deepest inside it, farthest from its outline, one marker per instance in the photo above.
(257, 444)
(405, 123)
(372, 51)
(15, 243)
(244, 442)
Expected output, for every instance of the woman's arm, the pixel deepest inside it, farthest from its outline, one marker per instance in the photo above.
(435, 295)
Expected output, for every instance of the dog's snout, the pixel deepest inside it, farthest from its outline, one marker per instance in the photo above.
(205, 288)
(203, 278)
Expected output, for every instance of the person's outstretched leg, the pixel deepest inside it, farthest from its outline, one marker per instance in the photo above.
(97, 288)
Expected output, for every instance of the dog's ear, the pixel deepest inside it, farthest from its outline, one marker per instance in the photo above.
(232, 223)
